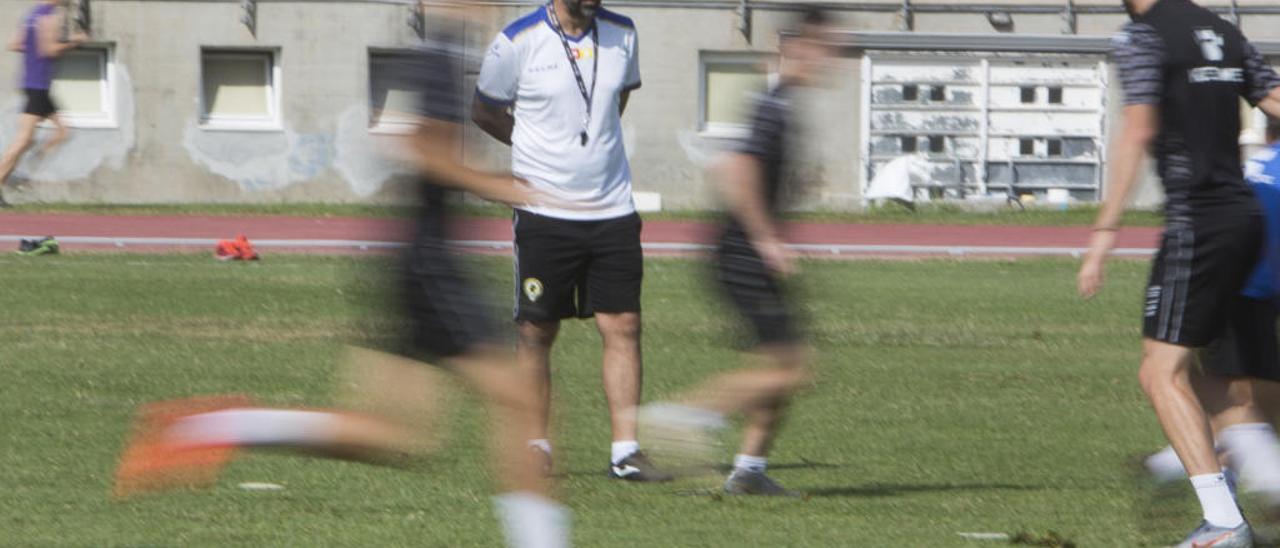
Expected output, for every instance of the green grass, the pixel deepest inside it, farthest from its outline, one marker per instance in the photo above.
(954, 397)
(891, 213)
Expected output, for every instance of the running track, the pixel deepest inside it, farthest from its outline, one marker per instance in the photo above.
(338, 234)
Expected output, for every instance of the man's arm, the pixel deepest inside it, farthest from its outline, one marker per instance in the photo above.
(1139, 56)
(496, 120)
(48, 30)
(434, 152)
(740, 182)
(1139, 126)
(497, 88)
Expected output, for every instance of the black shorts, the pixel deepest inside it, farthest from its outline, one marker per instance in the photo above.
(440, 315)
(756, 293)
(1249, 346)
(567, 269)
(39, 103)
(1202, 265)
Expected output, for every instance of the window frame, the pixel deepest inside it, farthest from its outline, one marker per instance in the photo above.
(273, 121)
(375, 124)
(109, 118)
(707, 59)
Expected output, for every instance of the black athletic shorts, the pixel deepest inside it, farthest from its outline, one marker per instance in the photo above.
(756, 293)
(1248, 346)
(1202, 265)
(439, 314)
(39, 103)
(567, 269)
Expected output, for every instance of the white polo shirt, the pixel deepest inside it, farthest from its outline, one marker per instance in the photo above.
(527, 69)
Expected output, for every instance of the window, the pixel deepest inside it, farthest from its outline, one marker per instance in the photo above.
(1026, 147)
(1055, 96)
(1055, 147)
(239, 90)
(938, 94)
(82, 87)
(1028, 95)
(908, 144)
(937, 144)
(910, 93)
(391, 101)
(729, 83)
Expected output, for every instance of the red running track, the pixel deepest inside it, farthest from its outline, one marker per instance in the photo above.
(499, 230)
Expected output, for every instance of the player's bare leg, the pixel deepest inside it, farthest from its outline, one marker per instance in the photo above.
(22, 140)
(533, 355)
(622, 370)
(689, 427)
(60, 134)
(1165, 377)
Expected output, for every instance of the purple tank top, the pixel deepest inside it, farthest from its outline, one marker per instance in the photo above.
(37, 70)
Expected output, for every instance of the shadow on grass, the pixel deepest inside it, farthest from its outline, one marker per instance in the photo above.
(720, 469)
(896, 489)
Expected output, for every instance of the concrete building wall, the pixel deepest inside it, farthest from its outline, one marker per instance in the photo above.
(324, 151)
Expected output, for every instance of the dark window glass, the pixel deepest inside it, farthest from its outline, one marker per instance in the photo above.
(1055, 96)
(908, 144)
(938, 94)
(1028, 95)
(1027, 147)
(1055, 147)
(937, 144)
(910, 93)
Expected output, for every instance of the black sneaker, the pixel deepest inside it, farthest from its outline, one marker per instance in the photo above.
(637, 467)
(746, 482)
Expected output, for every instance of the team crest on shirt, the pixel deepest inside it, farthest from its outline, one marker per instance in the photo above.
(582, 53)
(532, 289)
(1210, 44)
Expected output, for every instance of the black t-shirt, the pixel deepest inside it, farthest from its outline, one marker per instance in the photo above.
(1195, 67)
(768, 143)
(434, 72)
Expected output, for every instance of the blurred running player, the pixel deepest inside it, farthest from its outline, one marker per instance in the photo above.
(1238, 385)
(39, 42)
(1184, 70)
(752, 264)
(185, 443)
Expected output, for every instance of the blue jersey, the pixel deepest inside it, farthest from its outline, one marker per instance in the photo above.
(1263, 173)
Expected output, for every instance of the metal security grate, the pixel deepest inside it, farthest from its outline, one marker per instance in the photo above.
(1005, 123)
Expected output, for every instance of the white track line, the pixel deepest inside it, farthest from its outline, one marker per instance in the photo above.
(811, 249)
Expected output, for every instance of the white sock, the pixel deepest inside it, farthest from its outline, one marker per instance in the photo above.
(255, 427)
(1215, 498)
(530, 520)
(750, 463)
(543, 444)
(622, 449)
(1254, 452)
(1165, 466)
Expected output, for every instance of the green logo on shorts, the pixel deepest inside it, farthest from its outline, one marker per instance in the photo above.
(532, 289)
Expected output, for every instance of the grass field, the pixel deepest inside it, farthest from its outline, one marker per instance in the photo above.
(891, 213)
(954, 397)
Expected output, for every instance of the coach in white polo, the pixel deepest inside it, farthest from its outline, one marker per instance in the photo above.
(554, 85)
